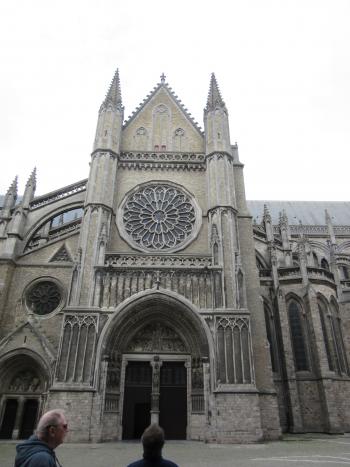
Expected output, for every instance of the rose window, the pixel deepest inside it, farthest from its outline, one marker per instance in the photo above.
(43, 297)
(159, 217)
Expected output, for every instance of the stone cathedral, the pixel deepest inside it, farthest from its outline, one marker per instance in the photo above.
(154, 291)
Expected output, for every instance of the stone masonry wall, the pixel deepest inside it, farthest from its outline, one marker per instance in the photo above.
(236, 419)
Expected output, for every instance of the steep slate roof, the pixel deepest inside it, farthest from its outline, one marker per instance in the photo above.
(175, 98)
(305, 212)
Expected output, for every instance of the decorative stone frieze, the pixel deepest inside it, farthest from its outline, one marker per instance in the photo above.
(157, 261)
(162, 161)
(202, 287)
(69, 190)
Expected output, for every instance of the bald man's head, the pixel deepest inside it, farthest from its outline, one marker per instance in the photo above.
(52, 428)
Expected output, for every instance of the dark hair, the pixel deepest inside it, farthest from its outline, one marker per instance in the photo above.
(152, 441)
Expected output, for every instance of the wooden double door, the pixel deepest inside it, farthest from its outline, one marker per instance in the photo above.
(164, 395)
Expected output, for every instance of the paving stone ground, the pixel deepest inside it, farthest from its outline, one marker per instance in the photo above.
(298, 450)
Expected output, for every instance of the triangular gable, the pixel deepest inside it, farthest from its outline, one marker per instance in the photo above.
(61, 255)
(162, 123)
(27, 336)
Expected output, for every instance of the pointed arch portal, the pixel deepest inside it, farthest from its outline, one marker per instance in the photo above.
(155, 348)
(24, 380)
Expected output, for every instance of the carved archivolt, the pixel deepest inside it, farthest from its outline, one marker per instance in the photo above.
(156, 337)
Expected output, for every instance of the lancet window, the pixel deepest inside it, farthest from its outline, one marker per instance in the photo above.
(338, 338)
(298, 330)
(77, 349)
(234, 351)
(328, 334)
(271, 336)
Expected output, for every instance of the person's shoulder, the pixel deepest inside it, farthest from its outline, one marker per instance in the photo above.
(42, 459)
(167, 463)
(139, 463)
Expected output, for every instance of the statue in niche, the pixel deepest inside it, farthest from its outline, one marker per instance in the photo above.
(197, 373)
(113, 373)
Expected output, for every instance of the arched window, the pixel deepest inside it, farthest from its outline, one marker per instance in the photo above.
(324, 264)
(298, 333)
(328, 335)
(338, 337)
(216, 253)
(259, 263)
(271, 336)
(344, 272)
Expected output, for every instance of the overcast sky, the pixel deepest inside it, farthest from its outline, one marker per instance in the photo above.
(283, 68)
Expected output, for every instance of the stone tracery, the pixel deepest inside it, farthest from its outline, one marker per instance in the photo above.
(159, 217)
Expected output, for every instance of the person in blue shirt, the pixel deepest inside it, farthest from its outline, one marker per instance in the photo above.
(153, 442)
(38, 450)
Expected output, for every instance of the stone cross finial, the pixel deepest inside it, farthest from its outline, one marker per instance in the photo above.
(162, 78)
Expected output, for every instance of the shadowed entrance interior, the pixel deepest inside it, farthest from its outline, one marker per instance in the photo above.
(173, 400)
(137, 399)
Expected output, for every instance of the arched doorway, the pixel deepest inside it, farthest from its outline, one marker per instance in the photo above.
(24, 381)
(155, 352)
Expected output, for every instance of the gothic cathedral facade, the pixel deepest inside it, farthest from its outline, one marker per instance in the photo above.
(150, 292)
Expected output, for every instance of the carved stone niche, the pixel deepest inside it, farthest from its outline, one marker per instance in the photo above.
(113, 373)
(156, 337)
(25, 381)
(197, 374)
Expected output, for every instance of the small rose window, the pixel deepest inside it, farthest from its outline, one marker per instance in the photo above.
(43, 297)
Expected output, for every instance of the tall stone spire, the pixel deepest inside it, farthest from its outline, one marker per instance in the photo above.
(217, 132)
(214, 100)
(113, 97)
(268, 223)
(29, 190)
(110, 118)
(330, 227)
(10, 199)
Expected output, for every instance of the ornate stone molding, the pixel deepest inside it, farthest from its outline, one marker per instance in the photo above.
(313, 230)
(116, 260)
(162, 160)
(58, 195)
(203, 287)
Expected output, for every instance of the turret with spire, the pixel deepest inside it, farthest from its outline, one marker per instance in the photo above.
(10, 199)
(217, 133)
(8, 205)
(29, 190)
(221, 190)
(267, 221)
(101, 191)
(110, 118)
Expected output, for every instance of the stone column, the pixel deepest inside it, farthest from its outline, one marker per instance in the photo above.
(156, 364)
(19, 416)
